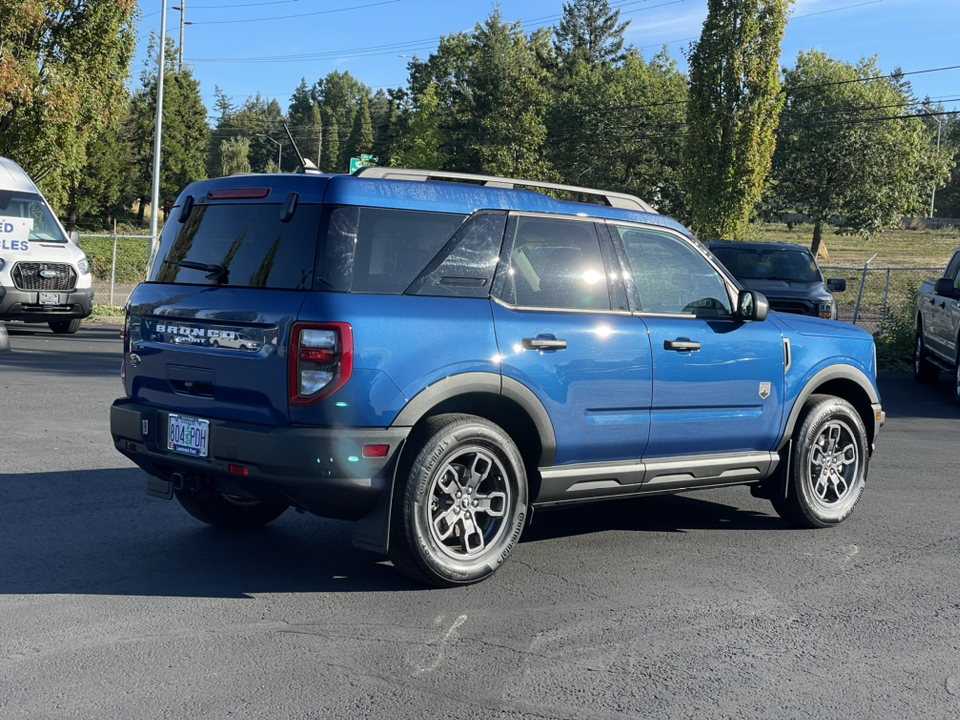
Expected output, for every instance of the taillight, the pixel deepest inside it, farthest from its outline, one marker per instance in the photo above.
(321, 360)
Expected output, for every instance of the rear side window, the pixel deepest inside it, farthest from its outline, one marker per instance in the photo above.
(375, 250)
(242, 245)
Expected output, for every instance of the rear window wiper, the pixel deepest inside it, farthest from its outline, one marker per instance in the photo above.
(218, 273)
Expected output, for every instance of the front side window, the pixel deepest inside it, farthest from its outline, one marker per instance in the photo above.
(556, 264)
(31, 206)
(671, 276)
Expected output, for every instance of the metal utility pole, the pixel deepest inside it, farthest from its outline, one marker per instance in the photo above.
(933, 195)
(155, 192)
(183, 23)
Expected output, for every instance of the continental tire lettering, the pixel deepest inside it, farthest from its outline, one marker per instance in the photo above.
(513, 540)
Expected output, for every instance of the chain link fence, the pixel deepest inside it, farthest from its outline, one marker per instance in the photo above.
(118, 263)
(874, 296)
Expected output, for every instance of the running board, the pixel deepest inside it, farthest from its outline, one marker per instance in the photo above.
(593, 481)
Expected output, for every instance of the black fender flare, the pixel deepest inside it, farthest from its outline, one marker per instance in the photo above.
(372, 531)
(834, 372)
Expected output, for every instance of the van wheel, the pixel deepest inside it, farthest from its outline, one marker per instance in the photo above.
(828, 467)
(65, 327)
(923, 370)
(461, 501)
(227, 511)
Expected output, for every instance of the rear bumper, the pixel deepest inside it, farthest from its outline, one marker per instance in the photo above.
(321, 470)
(23, 305)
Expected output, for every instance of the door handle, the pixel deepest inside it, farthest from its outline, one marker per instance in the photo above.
(681, 345)
(943, 304)
(544, 342)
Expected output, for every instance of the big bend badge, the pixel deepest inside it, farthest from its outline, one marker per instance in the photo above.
(764, 390)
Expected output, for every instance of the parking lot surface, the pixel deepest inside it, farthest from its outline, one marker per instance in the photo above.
(706, 605)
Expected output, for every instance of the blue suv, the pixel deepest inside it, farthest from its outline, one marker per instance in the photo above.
(436, 355)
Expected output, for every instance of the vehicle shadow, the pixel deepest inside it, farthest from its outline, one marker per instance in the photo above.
(902, 396)
(94, 351)
(656, 514)
(97, 532)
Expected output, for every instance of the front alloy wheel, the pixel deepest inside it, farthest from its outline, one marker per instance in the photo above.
(460, 503)
(828, 466)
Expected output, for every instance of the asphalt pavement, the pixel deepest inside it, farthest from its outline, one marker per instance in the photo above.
(704, 605)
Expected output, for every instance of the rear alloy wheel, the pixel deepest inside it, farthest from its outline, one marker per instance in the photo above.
(227, 511)
(923, 370)
(65, 327)
(828, 467)
(461, 502)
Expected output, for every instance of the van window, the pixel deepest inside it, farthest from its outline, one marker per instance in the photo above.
(29, 205)
(248, 241)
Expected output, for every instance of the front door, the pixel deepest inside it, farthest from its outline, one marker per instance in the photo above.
(718, 382)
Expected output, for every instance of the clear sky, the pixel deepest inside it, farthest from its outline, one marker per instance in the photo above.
(267, 46)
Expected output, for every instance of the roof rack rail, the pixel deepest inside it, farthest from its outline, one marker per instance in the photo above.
(613, 199)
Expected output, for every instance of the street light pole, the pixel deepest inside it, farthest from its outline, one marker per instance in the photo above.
(155, 190)
(933, 194)
(183, 23)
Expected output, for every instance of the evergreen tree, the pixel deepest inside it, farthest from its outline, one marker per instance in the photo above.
(361, 135)
(306, 121)
(590, 33)
(421, 146)
(330, 152)
(732, 113)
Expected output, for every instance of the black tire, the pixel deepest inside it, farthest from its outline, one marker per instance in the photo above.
(923, 370)
(65, 327)
(956, 375)
(828, 466)
(227, 511)
(460, 503)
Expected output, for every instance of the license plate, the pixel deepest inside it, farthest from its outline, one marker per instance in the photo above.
(188, 435)
(49, 298)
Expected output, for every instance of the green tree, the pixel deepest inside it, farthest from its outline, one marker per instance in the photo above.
(590, 33)
(732, 113)
(102, 190)
(421, 145)
(306, 122)
(510, 89)
(621, 129)
(185, 131)
(63, 65)
(361, 135)
(235, 155)
(850, 145)
(330, 153)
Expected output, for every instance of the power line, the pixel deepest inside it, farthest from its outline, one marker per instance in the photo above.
(301, 15)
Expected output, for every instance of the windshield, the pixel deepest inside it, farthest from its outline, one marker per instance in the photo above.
(778, 264)
(29, 205)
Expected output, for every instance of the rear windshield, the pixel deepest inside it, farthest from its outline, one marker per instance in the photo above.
(789, 265)
(31, 206)
(242, 245)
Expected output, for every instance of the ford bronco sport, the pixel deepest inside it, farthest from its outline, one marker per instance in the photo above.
(435, 356)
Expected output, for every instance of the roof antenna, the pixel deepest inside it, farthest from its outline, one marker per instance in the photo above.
(306, 166)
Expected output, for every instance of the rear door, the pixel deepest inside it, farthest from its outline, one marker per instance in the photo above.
(564, 331)
(717, 381)
(208, 332)
(942, 315)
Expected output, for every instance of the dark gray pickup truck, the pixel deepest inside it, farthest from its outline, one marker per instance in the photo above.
(938, 328)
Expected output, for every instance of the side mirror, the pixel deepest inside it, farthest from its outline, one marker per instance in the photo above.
(75, 237)
(945, 287)
(752, 306)
(836, 285)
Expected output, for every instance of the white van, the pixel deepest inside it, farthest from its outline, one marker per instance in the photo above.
(44, 277)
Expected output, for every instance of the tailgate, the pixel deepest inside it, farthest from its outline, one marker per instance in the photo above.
(216, 352)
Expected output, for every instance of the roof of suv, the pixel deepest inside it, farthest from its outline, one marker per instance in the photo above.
(432, 195)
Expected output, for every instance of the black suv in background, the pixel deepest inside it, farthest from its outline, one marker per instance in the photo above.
(786, 274)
